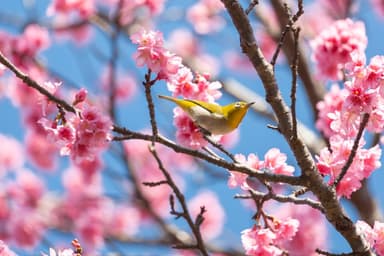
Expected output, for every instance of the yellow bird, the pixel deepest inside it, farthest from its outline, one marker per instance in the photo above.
(212, 117)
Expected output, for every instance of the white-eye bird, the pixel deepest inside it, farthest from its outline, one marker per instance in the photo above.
(211, 117)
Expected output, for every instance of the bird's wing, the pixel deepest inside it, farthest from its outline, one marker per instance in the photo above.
(210, 107)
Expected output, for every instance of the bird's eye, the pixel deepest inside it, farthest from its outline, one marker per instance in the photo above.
(237, 104)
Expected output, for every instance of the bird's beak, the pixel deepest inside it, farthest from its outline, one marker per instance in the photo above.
(250, 104)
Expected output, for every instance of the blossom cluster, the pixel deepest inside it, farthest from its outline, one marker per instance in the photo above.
(274, 162)
(332, 48)
(267, 241)
(180, 81)
(82, 136)
(341, 112)
(374, 236)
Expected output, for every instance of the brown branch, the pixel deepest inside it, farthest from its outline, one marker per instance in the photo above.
(353, 152)
(294, 67)
(151, 107)
(291, 21)
(314, 89)
(263, 176)
(195, 227)
(283, 199)
(310, 174)
(32, 83)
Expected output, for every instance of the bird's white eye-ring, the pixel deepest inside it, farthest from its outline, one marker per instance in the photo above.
(237, 104)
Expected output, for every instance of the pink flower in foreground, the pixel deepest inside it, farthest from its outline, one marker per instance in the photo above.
(150, 52)
(374, 236)
(267, 241)
(332, 102)
(311, 233)
(187, 133)
(274, 162)
(214, 216)
(83, 136)
(333, 47)
(331, 162)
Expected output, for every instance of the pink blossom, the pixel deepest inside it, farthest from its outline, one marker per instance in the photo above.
(332, 102)
(11, 154)
(240, 179)
(84, 8)
(208, 91)
(360, 97)
(80, 96)
(275, 161)
(331, 162)
(5, 251)
(182, 84)
(214, 216)
(333, 47)
(311, 233)
(230, 139)
(37, 38)
(378, 229)
(204, 16)
(83, 136)
(374, 236)
(150, 52)
(258, 241)
(187, 133)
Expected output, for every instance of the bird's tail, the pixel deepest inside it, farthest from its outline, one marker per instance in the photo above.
(168, 98)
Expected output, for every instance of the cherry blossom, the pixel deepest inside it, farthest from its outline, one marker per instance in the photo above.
(332, 48)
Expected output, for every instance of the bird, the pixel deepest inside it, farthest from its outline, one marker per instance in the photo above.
(212, 118)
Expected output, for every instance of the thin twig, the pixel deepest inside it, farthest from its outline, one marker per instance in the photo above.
(283, 199)
(292, 20)
(219, 147)
(151, 107)
(195, 227)
(32, 83)
(294, 67)
(252, 5)
(321, 252)
(352, 155)
(128, 135)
